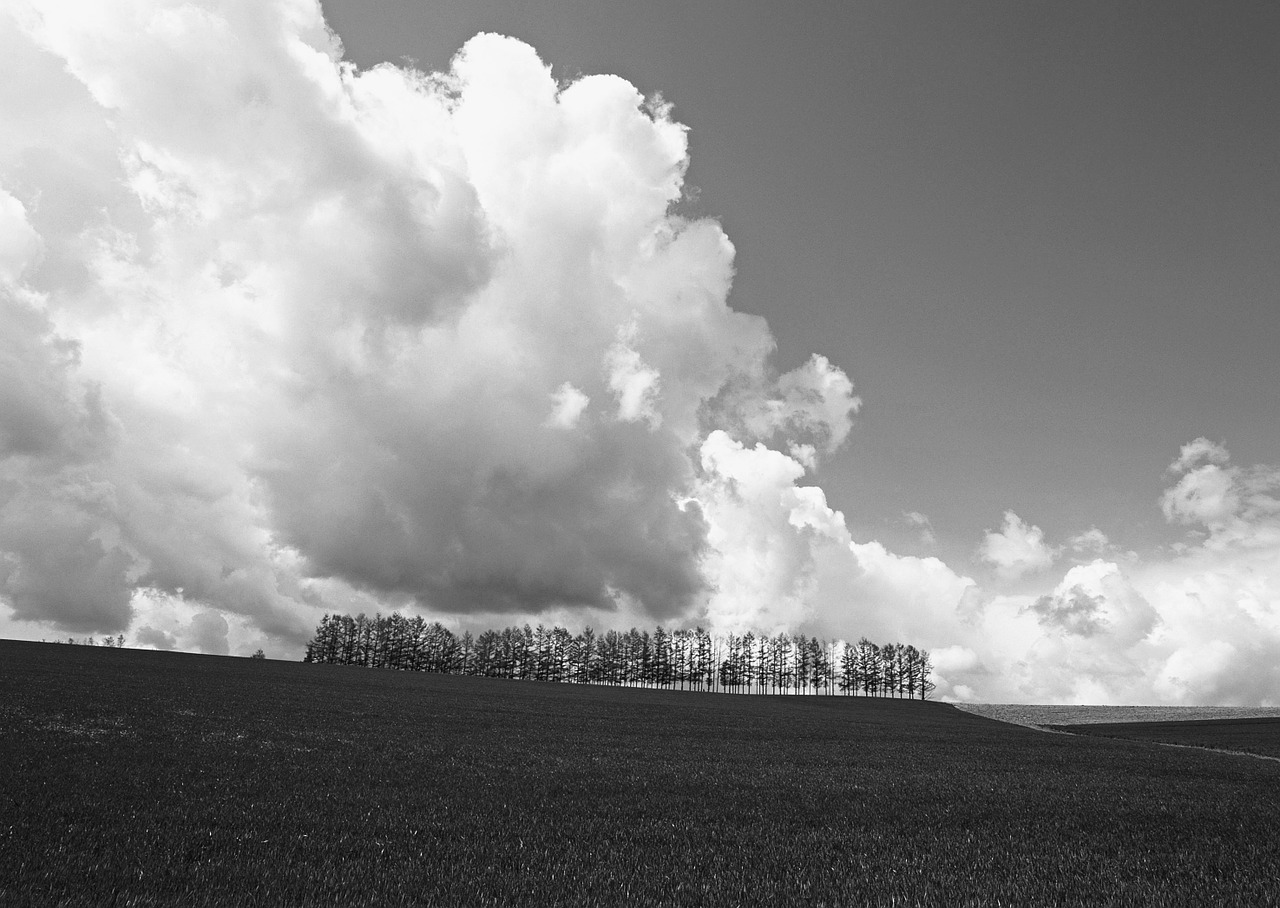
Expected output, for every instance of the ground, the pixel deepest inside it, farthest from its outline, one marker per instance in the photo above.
(163, 778)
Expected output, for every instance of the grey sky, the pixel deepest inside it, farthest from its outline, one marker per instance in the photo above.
(1041, 238)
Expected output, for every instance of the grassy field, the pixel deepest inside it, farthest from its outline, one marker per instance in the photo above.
(140, 778)
(1250, 736)
(1237, 729)
(1031, 714)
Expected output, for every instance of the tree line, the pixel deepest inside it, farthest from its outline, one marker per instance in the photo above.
(117, 642)
(676, 659)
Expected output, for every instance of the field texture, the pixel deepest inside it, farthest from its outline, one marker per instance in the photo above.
(1250, 736)
(1030, 714)
(140, 778)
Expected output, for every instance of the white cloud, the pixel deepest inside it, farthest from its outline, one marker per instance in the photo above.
(804, 454)
(568, 405)
(1193, 672)
(780, 557)
(1017, 548)
(948, 659)
(1091, 541)
(1095, 600)
(1205, 495)
(759, 562)
(19, 243)
(1197, 453)
(281, 335)
(1233, 504)
(813, 405)
(1198, 626)
(632, 381)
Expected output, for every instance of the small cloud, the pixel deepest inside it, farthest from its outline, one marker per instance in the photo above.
(1199, 452)
(818, 397)
(634, 383)
(923, 524)
(812, 405)
(1206, 495)
(208, 633)
(956, 660)
(804, 454)
(1073, 611)
(1016, 549)
(1092, 541)
(1096, 599)
(568, 404)
(1231, 503)
(150, 636)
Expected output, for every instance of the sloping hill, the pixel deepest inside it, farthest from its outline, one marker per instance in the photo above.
(161, 778)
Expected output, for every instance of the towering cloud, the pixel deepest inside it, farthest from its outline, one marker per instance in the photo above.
(281, 335)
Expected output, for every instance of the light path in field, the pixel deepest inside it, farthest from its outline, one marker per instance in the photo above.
(1026, 716)
(1214, 750)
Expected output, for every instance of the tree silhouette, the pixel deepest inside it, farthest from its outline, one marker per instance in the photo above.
(688, 659)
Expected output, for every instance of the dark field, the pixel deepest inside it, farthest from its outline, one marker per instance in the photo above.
(1252, 736)
(159, 778)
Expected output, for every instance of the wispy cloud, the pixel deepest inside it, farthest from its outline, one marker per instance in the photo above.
(923, 525)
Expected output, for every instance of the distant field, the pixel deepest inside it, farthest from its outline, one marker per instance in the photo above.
(139, 778)
(1024, 714)
(1250, 730)
(1251, 736)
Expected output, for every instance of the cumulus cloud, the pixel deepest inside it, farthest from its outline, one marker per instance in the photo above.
(281, 335)
(568, 404)
(808, 410)
(1197, 624)
(154, 638)
(1197, 453)
(1205, 494)
(208, 633)
(632, 381)
(781, 558)
(1017, 548)
(1232, 504)
(1095, 599)
(1219, 593)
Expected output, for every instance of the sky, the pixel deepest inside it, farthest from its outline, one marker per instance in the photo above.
(948, 323)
